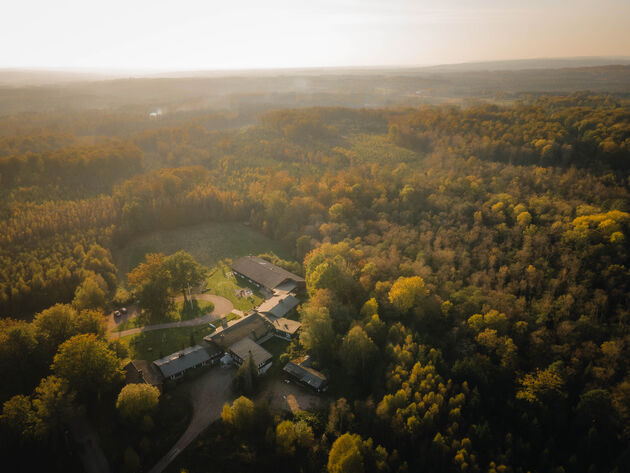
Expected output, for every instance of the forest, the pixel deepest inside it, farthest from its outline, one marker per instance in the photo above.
(467, 270)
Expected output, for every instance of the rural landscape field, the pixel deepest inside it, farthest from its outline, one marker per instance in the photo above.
(357, 237)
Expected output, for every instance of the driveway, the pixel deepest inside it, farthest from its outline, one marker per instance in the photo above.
(208, 394)
(222, 307)
(292, 397)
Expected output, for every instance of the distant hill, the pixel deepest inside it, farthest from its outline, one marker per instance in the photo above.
(249, 93)
(36, 77)
(528, 64)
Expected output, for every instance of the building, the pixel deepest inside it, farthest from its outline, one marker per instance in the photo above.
(246, 347)
(304, 374)
(267, 275)
(252, 326)
(285, 328)
(176, 364)
(278, 305)
(273, 311)
(141, 371)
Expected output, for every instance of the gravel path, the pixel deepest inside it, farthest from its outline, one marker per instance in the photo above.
(208, 394)
(222, 307)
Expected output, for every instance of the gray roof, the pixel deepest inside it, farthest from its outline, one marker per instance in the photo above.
(308, 376)
(263, 272)
(252, 326)
(182, 360)
(287, 325)
(279, 305)
(243, 348)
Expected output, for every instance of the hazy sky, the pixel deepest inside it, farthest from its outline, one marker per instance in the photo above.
(209, 34)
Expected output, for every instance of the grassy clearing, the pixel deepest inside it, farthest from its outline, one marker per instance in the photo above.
(208, 243)
(180, 312)
(157, 344)
(222, 283)
(199, 308)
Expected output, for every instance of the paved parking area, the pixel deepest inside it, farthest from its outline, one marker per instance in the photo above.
(292, 397)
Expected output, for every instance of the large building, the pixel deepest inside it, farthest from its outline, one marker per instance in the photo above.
(252, 326)
(176, 364)
(267, 275)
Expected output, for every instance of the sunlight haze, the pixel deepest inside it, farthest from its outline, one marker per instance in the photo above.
(247, 34)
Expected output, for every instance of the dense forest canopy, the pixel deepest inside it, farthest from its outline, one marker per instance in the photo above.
(467, 268)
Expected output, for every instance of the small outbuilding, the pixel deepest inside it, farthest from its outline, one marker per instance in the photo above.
(246, 347)
(307, 375)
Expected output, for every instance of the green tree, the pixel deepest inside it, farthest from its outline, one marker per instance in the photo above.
(407, 292)
(87, 363)
(290, 436)
(151, 282)
(135, 401)
(53, 405)
(240, 415)
(346, 455)
(318, 336)
(18, 416)
(358, 353)
(91, 293)
(184, 271)
(55, 325)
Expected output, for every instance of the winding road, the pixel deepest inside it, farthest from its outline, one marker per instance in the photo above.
(222, 307)
(208, 394)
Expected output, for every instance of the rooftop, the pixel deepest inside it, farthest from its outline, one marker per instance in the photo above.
(243, 348)
(182, 360)
(263, 272)
(251, 326)
(287, 325)
(279, 305)
(307, 375)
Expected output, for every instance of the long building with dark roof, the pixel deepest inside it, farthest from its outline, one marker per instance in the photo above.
(267, 275)
(176, 364)
(307, 375)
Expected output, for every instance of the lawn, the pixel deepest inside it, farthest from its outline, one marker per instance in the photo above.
(223, 283)
(208, 243)
(157, 344)
(180, 312)
(199, 308)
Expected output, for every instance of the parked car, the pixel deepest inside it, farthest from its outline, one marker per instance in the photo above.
(123, 310)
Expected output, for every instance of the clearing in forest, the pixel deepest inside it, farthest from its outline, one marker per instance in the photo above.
(207, 243)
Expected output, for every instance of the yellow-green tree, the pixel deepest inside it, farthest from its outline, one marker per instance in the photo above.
(407, 292)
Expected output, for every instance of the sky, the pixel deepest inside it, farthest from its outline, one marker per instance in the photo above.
(170, 35)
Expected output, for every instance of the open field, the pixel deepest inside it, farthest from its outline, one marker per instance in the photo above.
(208, 243)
